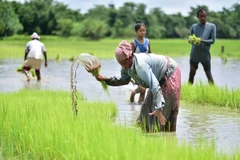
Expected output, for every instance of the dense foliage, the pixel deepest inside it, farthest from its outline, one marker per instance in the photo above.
(49, 17)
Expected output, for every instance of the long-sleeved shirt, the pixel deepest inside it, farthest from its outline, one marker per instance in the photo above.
(207, 32)
(147, 70)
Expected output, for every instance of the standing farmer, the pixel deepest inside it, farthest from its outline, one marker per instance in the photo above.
(33, 56)
(201, 53)
(140, 44)
(161, 75)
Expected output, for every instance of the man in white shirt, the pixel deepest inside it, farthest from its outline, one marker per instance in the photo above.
(33, 56)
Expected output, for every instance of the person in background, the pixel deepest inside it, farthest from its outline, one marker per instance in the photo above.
(140, 44)
(201, 53)
(33, 56)
(161, 75)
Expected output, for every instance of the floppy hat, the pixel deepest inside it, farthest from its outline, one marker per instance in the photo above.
(35, 35)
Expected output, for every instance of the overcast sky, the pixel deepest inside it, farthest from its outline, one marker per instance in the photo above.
(168, 6)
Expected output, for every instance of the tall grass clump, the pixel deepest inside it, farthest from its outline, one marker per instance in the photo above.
(212, 94)
(41, 125)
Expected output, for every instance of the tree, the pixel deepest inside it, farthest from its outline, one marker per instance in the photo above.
(126, 14)
(93, 29)
(156, 21)
(99, 12)
(140, 12)
(236, 15)
(64, 27)
(154, 29)
(176, 26)
(52, 17)
(35, 15)
(9, 22)
(117, 29)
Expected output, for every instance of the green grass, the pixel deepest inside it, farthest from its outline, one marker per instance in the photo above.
(41, 125)
(66, 48)
(203, 93)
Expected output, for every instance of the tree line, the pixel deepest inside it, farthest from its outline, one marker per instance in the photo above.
(50, 17)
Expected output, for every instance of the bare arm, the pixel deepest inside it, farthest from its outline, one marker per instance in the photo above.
(45, 57)
(26, 52)
(44, 51)
(133, 47)
(149, 48)
(25, 55)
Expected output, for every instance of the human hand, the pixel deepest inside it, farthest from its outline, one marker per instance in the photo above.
(193, 39)
(160, 116)
(100, 77)
(190, 41)
(132, 81)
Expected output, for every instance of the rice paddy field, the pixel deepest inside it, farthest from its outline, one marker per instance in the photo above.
(67, 48)
(211, 94)
(40, 124)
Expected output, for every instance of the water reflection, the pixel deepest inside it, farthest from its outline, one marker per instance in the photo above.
(210, 123)
(221, 125)
(29, 86)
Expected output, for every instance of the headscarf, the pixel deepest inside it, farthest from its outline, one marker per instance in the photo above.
(35, 36)
(123, 51)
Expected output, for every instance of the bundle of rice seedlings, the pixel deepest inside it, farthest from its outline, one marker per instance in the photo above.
(193, 39)
(32, 71)
(92, 65)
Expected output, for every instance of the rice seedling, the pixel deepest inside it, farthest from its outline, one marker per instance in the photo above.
(40, 125)
(192, 39)
(200, 93)
(19, 69)
(92, 65)
(66, 48)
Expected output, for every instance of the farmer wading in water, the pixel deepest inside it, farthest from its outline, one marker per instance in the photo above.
(161, 75)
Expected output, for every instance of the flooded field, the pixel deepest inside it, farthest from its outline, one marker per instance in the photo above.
(209, 123)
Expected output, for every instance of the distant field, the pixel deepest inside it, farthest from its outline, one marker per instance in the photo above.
(65, 48)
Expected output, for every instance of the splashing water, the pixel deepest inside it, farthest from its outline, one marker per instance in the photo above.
(92, 65)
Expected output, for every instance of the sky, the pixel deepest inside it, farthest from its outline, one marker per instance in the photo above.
(168, 6)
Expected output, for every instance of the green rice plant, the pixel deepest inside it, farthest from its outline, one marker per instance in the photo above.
(19, 69)
(205, 93)
(66, 48)
(40, 125)
(193, 39)
(92, 65)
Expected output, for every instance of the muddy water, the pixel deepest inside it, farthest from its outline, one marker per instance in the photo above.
(209, 123)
